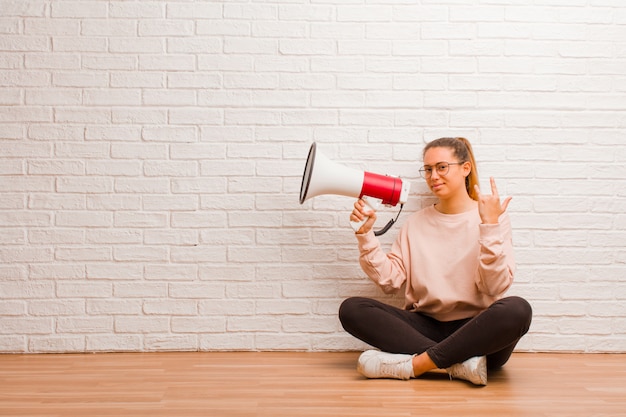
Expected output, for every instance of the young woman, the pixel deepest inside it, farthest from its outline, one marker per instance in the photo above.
(455, 259)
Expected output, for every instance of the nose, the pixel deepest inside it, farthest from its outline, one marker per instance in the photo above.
(434, 174)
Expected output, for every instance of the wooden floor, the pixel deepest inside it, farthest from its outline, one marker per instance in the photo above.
(300, 384)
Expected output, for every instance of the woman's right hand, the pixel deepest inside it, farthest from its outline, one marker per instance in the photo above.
(360, 212)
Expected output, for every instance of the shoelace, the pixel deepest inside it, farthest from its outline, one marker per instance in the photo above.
(391, 369)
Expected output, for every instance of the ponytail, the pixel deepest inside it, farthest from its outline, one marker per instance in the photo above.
(463, 151)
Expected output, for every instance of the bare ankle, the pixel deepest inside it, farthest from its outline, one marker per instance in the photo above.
(422, 364)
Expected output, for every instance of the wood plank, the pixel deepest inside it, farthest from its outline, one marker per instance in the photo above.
(300, 384)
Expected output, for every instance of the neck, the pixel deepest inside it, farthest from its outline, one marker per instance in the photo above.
(456, 205)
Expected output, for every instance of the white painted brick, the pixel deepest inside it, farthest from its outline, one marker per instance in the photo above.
(283, 342)
(152, 154)
(22, 114)
(11, 61)
(224, 62)
(113, 343)
(141, 324)
(25, 254)
(254, 324)
(9, 26)
(141, 289)
(78, 9)
(110, 62)
(206, 185)
(174, 62)
(23, 79)
(144, 9)
(197, 291)
(227, 272)
(108, 27)
(138, 80)
(25, 43)
(195, 116)
(139, 151)
(201, 253)
(26, 325)
(364, 14)
(261, 12)
(13, 272)
(56, 308)
(170, 307)
(167, 202)
(167, 27)
(83, 219)
(55, 236)
(136, 45)
(114, 271)
(227, 341)
(140, 220)
(113, 236)
(75, 44)
(281, 307)
(230, 202)
(169, 97)
(84, 325)
(170, 343)
(255, 254)
(171, 272)
(111, 97)
(230, 307)
(171, 237)
(195, 45)
(67, 289)
(312, 324)
(198, 325)
(197, 220)
(239, 45)
(64, 344)
(313, 13)
(141, 185)
(82, 254)
(194, 11)
(11, 167)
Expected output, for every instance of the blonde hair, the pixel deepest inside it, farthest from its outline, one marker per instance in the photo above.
(462, 150)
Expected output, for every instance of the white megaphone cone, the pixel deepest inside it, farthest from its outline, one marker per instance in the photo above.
(323, 176)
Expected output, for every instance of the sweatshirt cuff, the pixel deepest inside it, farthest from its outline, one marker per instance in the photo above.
(366, 240)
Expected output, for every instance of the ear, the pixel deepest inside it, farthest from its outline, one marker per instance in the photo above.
(467, 168)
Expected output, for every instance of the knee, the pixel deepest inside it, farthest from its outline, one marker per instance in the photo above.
(519, 311)
(348, 308)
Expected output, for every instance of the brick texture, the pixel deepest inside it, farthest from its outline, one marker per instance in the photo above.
(151, 155)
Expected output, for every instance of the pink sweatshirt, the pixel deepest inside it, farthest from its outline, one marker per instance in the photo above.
(453, 266)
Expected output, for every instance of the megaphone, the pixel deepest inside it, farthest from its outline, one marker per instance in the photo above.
(323, 176)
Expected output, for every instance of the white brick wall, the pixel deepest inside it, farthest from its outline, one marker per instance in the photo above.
(151, 154)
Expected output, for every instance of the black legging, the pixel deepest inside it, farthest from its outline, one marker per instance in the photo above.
(493, 333)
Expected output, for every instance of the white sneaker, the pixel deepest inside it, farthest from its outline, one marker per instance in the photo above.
(376, 364)
(473, 370)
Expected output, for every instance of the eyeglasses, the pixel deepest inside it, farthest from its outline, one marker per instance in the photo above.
(442, 169)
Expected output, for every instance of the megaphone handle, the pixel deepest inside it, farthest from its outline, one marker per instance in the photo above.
(371, 203)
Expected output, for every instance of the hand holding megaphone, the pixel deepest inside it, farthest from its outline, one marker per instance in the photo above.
(363, 216)
(323, 176)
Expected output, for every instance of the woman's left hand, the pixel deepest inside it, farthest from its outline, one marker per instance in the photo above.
(489, 206)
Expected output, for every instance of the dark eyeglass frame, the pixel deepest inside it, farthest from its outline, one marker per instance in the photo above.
(442, 168)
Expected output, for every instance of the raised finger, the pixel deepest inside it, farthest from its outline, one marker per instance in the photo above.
(494, 189)
(506, 202)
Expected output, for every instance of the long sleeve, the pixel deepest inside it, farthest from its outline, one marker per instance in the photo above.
(386, 270)
(497, 262)
(451, 266)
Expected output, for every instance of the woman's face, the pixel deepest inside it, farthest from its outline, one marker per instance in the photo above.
(445, 184)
